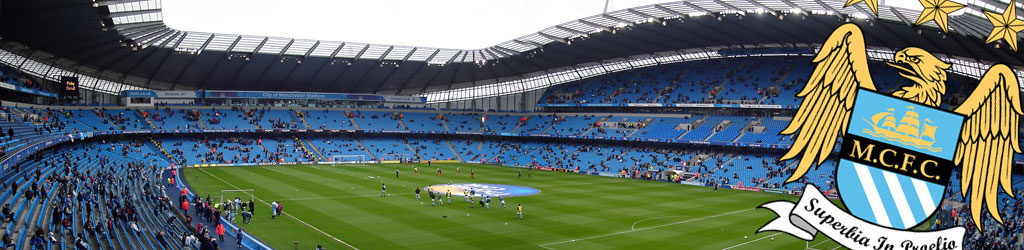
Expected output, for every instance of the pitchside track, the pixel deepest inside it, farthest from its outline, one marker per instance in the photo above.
(341, 207)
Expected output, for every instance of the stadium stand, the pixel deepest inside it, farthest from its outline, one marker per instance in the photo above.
(95, 171)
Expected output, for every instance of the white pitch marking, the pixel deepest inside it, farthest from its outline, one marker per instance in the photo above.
(633, 227)
(284, 213)
(748, 242)
(646, 228)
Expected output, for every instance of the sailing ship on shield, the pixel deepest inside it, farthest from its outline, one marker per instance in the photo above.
(911, 130)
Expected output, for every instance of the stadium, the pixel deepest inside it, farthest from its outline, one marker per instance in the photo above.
(697, 124)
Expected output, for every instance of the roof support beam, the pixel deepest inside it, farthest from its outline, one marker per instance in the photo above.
(417, 71)
(794, 6)
(206, 77)
(457, 68)
(131, 13)
(113, 2)
(612, 41)
(392, 73)
(330, 60)
(673, 12)
(380, 61)
(232, 46)
(129, 26)
(827, 7)
(177, 34)
(164, 34)
(153, 37)
(616, 18)
(260, 46)
(450, 60)
(702, 9)
(505, 52)
(310, 51)
(145, 58)
(280, 57)
(594, 25)
(731, 7)
(137, 28)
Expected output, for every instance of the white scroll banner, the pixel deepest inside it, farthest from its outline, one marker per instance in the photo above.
(814, 213)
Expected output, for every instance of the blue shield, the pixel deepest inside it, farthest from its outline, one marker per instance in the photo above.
(896, 159)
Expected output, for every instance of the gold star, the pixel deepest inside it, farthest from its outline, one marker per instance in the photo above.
(938, 10)
(873, 4)
(1005, 26)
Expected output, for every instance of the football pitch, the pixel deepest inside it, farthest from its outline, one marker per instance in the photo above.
(341, 208)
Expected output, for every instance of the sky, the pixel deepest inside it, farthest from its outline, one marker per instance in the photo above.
(453, 24)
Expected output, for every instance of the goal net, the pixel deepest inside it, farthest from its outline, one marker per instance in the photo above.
(396, 157)
(356, 160)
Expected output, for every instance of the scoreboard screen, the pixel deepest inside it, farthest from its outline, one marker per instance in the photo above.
(69, 87)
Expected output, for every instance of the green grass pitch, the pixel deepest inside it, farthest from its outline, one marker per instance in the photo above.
(573, 211)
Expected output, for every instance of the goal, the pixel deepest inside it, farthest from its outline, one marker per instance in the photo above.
(401, 157)
(357, 160)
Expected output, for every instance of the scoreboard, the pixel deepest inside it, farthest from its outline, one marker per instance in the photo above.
(69, 87)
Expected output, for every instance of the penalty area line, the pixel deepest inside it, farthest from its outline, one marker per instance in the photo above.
(646, 228)
(284, 213)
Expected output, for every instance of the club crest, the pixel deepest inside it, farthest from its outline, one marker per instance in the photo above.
(898, 150)
(896, 159)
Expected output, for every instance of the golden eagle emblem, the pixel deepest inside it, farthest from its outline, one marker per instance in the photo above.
(987, 141)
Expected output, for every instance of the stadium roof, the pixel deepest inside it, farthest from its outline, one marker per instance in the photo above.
(125, 41)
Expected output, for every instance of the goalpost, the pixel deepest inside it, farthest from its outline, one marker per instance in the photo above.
(402, 157)
(357, 160)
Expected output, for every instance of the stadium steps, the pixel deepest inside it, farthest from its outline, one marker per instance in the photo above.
(789, 166)
(723, 165)
(401, 122)
(693, 126)
(444, 123)
(681, 75)
(265, 151)
(353, 121)
(20, 220)
(632, 133)
(684, 133)
(168, 154)
(37, 212)
(145, 117)
(302, 117)
(201, 122)
(306, 149)
(360, 142)
(315, 149)
(516, 128)
(105, 118)
(457, 155)
(713, 132)
(725, 83)
(620, 155)
(746, 128)
(22, 114)
(72, 119)
(545, 131)
(414, 151)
